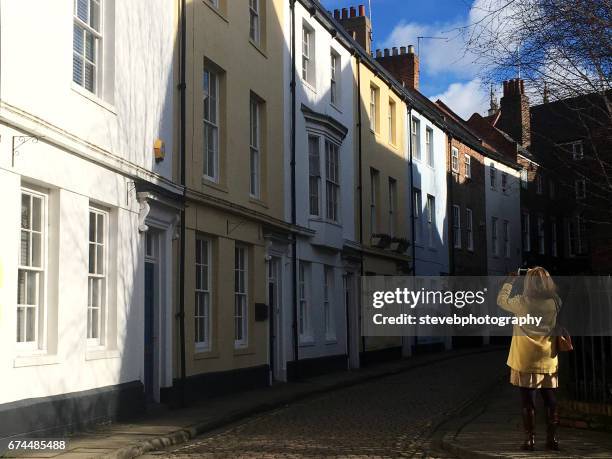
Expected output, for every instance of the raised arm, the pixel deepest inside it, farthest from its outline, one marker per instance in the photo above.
(507, 303)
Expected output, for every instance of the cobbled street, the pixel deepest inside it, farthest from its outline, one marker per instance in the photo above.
(395, 416)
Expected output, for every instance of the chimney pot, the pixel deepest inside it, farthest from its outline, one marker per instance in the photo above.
(378, 53)
(353, 11)
(395, 51)
(411, 49)
(362, 10)
(386, 52)
(402, 50)
(344, 13)
(336, 14)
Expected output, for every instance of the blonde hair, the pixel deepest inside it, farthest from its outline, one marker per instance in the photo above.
(538, 284)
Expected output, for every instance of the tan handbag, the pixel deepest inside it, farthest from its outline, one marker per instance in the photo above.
(564, 340)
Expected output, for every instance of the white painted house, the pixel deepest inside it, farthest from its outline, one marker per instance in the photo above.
(85, 305)
(503, 225)
(429, 148)
(324, 105)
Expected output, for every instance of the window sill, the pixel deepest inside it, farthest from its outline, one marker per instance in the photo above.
(331, 340)
(309, 86)
(216, 11)
(35, 360)
(243, 350)
(100, 354)
(258, 202)
(93, 98)
(216, 185)
(335, 107)
(306, 341)
(205, 354)
(258, 47)
(325, 220)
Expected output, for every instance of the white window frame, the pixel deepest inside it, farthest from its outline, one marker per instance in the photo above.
(308, 70)
(254, 22)
(493, 176)
(417, 202)
(96, 335)
(241, 296)
(211, 124)
(203, 295)
(469, 229)
(468, 166)
(328, 302)
(504, 182)
(429, 146)
(391, 122)
(415, 138)
(524, 179)
(494, 237)
(431, 218)
(456, 226)
(576, 148)
(304, 323)
(30, 269)
(87, 29)
(374, 184)
(541, 235)
(506, 230)
(314, 175)
(455, 159)
(334, 73)
(332, 181)
(526, 231)
(255, 147)
(392, 206)
(374, 96)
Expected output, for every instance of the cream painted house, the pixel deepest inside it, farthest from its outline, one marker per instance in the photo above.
(90, 209)
(236, 238)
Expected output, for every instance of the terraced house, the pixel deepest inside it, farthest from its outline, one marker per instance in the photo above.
(236, 237)
(90, 211)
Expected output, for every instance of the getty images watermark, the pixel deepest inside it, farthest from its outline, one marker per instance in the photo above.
(470, 306)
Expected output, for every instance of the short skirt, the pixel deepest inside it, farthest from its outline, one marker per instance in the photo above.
(534, 380)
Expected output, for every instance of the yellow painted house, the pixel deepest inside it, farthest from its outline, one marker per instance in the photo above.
(234, 190)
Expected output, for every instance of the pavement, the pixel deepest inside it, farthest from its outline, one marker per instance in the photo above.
(444, 405)
(387, 417)
(163, 430)
(493, 428)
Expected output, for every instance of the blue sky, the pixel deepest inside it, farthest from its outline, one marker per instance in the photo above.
(446, 72)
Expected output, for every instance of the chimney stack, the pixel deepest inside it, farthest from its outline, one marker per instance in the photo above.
(337, 14)
(514, 119)
(404, 66)
(358, 26)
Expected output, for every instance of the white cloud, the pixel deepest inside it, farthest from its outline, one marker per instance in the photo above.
(437, 56)
(465, 98)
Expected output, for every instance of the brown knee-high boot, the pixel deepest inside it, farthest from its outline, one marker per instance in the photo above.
(529, 425)
(552, 421)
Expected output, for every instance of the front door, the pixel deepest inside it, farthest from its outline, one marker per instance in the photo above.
(274, 295)
(149, 344)
(150, 302)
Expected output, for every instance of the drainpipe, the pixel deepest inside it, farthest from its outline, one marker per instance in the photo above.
(451, 253)
(181, 314)
(293, 196)
(360, 160)
(411, 194)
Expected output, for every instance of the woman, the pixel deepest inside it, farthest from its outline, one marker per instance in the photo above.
(533, 353)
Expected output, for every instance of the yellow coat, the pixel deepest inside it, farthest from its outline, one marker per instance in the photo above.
(534, 352)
